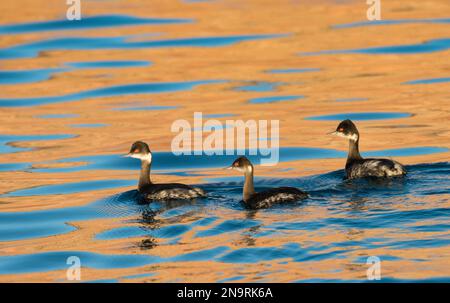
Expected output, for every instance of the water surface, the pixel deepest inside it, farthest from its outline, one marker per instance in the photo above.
(435, 45)
(274, 99)
(167, 161)
(392, 22)
(7, 146)
(119, 90)
(292, 70)
(429, 81)
(360, 116)
(87, 22)
(32, 49)
(350, 207)
(76, 94)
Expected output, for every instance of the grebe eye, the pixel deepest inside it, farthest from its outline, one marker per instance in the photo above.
(341, 129)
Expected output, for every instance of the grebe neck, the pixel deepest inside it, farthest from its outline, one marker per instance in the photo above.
(353, 150)
(144, 178)
(249, 189)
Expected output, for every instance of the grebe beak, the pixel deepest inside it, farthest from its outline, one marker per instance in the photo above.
(126, 156)
(335, 133)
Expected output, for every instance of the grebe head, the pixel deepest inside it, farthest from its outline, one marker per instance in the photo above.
(140, 150)
(347, 129)
(242, 164)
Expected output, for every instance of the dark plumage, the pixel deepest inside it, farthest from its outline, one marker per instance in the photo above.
(171, 191)
(273, 196)
(356, 166)
(265, 199)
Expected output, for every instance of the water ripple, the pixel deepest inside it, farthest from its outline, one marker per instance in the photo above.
(31, 50)
(351, 206)
(118, 90)
(88, 22)
(392, 22)
(275, 99)
(7, 140)
(435, 45)
(167, 161)
(360, 116)
(429, 81)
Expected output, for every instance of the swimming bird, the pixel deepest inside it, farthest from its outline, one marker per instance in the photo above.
(356, 166)
(162, 191)
(265, 199)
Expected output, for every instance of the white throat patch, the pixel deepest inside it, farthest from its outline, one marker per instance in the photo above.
(353, 137)
(147, 157)
(239, 169)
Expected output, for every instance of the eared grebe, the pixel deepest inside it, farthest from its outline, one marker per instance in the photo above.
(356, 166)
(266, 198)
(151, 191)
